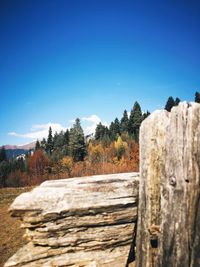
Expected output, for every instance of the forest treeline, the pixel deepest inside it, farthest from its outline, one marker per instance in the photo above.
(112, 149)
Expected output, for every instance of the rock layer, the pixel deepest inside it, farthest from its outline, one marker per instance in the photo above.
(86, 221)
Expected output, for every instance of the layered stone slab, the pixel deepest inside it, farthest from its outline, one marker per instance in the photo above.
(87, 221)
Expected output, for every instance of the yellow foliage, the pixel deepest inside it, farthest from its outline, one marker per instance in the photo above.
(66, 161)
(96, 152)
(120, 147)
(67, 164)
(119, 144)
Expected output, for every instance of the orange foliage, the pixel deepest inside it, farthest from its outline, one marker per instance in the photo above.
(17, 178)
(112, 159)
(38, 164)
(120, 156)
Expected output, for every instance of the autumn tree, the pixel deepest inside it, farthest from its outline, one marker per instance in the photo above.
(17, 178)
(95, 152)
(67, 164)
(120, 147)
(38, 163)
(77, 142)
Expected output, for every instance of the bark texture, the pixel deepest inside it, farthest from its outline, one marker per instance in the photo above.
(169, 195)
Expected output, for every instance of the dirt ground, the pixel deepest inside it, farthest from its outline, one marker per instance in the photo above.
(10, 232)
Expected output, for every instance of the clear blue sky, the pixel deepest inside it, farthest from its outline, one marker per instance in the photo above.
(65, 59)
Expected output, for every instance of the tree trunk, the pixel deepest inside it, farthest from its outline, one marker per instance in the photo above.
(169, 205)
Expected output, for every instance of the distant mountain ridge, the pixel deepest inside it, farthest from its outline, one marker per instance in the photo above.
(13, 151)
(25, 147)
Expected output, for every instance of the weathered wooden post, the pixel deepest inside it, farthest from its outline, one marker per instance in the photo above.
(168, 232)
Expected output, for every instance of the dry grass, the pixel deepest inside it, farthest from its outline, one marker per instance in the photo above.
(10, 232)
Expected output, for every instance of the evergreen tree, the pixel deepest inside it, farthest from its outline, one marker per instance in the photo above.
(55, 140)
(101, 132)
(98, 131)
(124, 122)
(145, 115)
(197, 97)
(135, 121)
(114, 129)
(5, 167)
(65, 148)
(117, 127)
(58, 140)
(43, 144)
(37, 145)
(177, 101)
(20, 164)
(3, 156)
(66, 137)
(112, 133)
(170, 103)
(4, 172)
(105, 141)
(49, 144)
(77, 142)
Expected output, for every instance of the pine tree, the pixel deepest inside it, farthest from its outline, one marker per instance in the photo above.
(145, 115)
(177, 101)
(58, 140)
(197, 97)
(77, 142)
(3, 156)
(65, 147)
(5, 167)
(66, 137)
(101, 132)
(114, 129)
(135, 121)
(170, 104)
(117, 127)
(55, 140)
(49, 144)
(124, 122)
(4, 172)
(43, 144)
(37, 145)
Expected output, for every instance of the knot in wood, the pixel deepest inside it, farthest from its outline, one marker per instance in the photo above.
(172, 181)
(154, 232)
